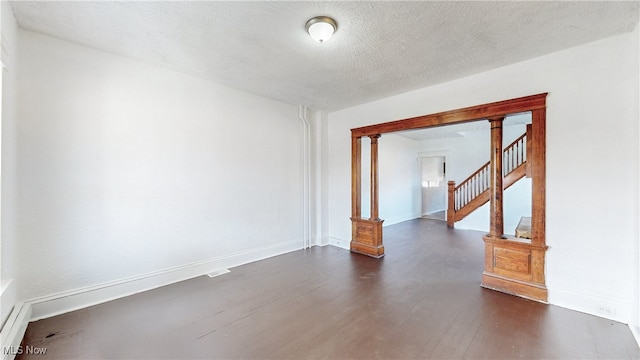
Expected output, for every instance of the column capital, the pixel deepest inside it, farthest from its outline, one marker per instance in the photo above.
(496, 122)
(374, 137)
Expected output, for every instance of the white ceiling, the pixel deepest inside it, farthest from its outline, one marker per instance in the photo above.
(380, 48)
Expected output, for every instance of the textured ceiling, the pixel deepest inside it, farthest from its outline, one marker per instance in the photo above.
(380, 48)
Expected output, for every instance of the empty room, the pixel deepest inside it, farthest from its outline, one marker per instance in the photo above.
(316, 179)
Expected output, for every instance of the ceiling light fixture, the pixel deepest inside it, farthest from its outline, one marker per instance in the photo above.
(321, 28)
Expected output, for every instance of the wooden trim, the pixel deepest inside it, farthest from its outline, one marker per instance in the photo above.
(366, 234)
(514, 287)
(374, 177)
(517, 260)
(538, 177)
(514, 267)
(496, 217)
(518, 267)
(356, 177)
(515, 243)
(451, 206)
(506, 107)
(529, 151)
(366, 237)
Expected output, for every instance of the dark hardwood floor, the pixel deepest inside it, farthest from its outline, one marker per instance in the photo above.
(422, 300)
(440, 215)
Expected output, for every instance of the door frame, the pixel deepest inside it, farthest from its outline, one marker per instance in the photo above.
(512, 267)
(428, 154)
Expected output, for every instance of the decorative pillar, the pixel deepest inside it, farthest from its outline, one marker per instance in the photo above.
(529, 152)
(538, 177)
(516, 267)
(374, 177)
(496, 227)
(356, 177)
(366, 234)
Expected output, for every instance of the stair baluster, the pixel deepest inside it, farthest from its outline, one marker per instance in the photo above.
(473, 192)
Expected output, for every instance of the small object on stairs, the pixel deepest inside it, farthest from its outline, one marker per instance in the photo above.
(523, 230)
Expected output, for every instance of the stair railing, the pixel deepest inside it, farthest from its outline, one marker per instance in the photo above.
(472, 186)
(514, 155)
(477, 185)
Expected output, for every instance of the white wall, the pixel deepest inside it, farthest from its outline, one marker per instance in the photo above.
(8, 242)
(319, 164)
(400, 191)
(592, 162)
(126, 169)
(635, 324)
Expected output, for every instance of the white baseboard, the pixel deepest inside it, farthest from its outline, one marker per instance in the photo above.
(7, 299)
(320, 241)
(435, 212)
(56, 304)
(399, 219)
(341, 243)
(605, 307)
(635, 330)
(14, 329)
(321, 245)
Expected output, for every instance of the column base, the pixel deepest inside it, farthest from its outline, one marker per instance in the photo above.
(515, 267)
(367, 237)
(523, 289)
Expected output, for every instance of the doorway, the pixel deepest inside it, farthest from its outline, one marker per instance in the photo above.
(514, 266)
(434, 187)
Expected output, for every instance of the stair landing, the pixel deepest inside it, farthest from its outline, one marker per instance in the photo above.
(523, 230)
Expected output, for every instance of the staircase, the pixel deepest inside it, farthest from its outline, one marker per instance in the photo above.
(474, 191)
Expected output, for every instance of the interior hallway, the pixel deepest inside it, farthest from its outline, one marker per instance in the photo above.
(422, 300)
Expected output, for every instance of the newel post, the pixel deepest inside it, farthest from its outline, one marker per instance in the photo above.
(451, 206)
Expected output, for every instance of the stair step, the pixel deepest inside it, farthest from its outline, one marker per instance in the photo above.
(523, 230)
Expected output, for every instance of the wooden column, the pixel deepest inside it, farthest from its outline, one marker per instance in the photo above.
(496, 227)
(517, 266)
(538, 176)
(374, 177)
(538, 186)
(356, 177)
(514, 266)
(529, 151)
(366, 234)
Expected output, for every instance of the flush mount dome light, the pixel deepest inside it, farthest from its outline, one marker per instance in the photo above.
(321, 28)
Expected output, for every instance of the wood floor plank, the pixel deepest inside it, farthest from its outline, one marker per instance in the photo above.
(422, 300)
